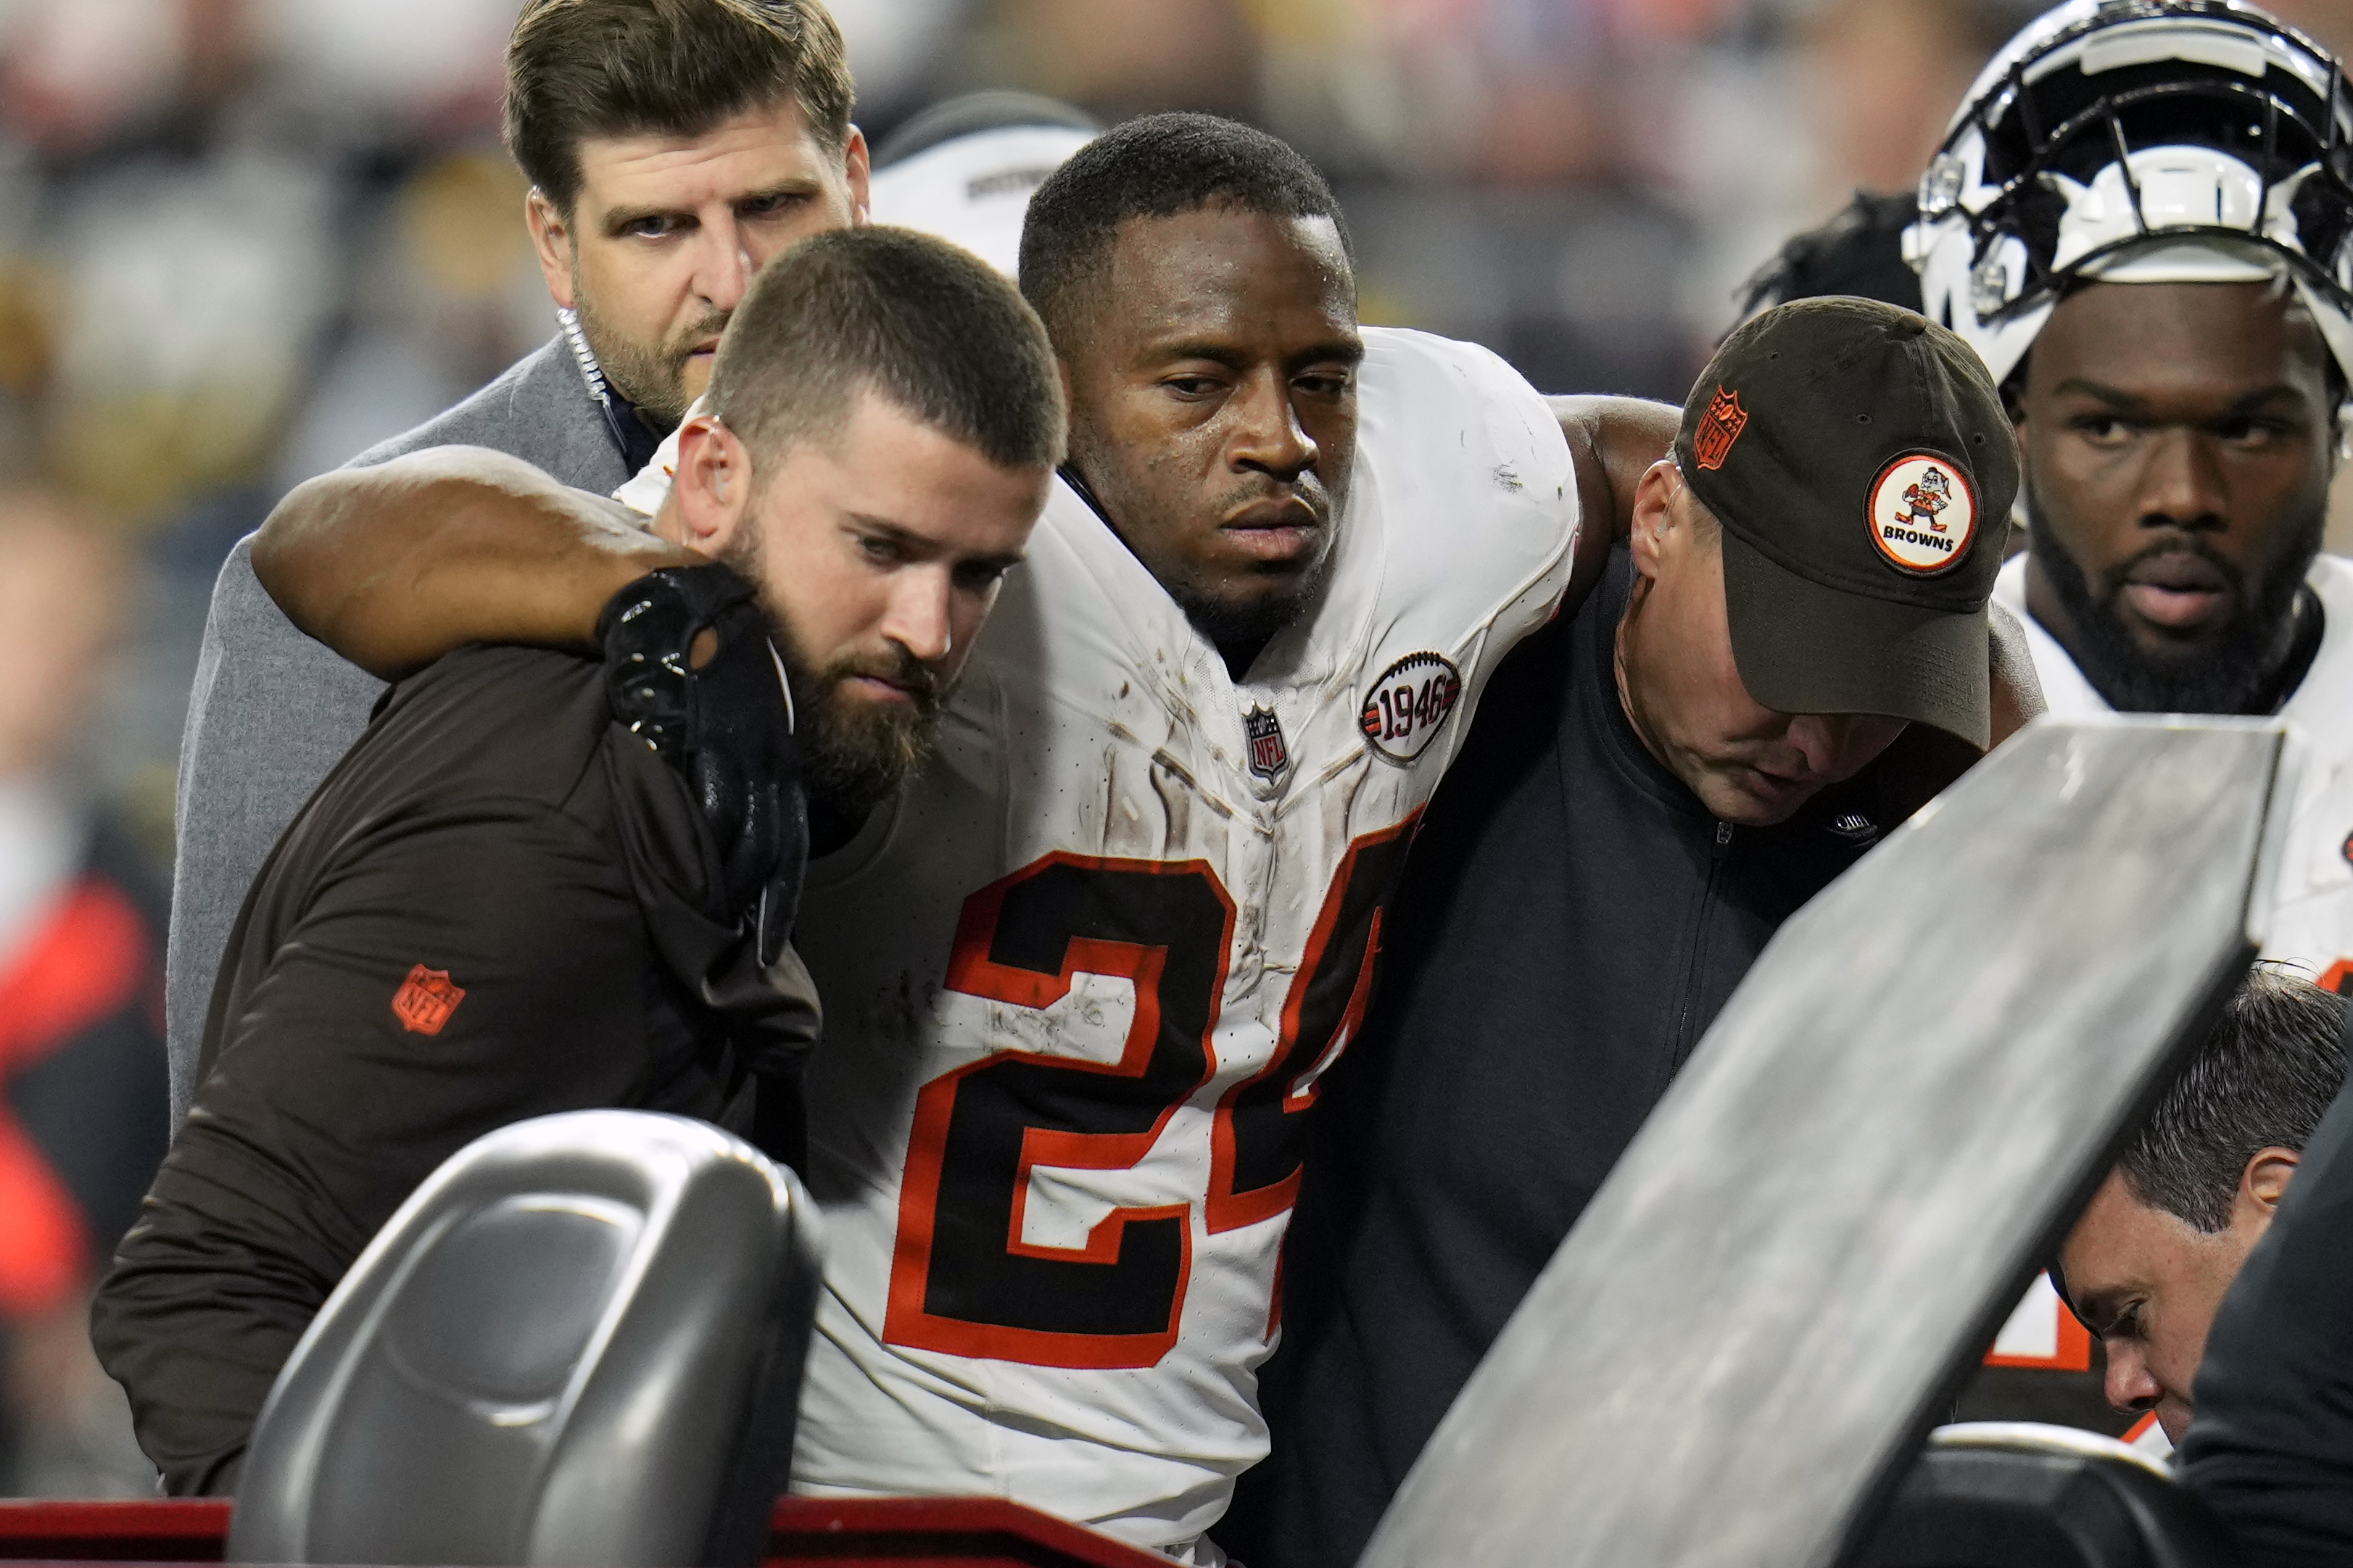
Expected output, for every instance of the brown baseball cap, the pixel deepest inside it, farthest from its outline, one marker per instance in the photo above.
(1860, 461)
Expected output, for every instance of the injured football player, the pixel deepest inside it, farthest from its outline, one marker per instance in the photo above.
(1084, 972)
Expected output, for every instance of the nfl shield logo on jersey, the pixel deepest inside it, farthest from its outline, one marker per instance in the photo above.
(1264, 731)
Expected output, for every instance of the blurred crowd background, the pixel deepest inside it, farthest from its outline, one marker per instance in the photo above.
(241, 240)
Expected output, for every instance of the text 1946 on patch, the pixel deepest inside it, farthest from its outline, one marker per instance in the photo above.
(1406, 707)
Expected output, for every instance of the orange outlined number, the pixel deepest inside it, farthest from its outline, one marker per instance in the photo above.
(1254, 1146)
(964, 1278)
(424, 1000)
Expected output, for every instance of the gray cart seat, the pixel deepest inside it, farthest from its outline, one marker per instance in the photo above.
(580, 1342)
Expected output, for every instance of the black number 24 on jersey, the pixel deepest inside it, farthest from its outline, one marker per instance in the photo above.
(963, 1279)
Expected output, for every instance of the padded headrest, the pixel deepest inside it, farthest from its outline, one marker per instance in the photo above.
(579, 1341)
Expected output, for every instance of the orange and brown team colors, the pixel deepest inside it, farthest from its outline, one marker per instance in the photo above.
(1719, 427)
(425, 999)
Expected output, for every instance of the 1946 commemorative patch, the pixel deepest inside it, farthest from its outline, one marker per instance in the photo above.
(1407, 704)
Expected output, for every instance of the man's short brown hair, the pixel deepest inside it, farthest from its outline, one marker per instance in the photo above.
(577, 68)
(930, 328)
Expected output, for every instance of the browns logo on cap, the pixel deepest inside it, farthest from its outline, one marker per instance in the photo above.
(1923, 513)
(1845, 406)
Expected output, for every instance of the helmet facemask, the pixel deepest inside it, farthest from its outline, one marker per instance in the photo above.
(2178, 141)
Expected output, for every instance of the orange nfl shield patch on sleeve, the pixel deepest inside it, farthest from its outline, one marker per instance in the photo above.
(1719, 427)
(424, 1000)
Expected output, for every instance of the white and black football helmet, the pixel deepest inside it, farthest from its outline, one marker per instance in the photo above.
(2140, 141)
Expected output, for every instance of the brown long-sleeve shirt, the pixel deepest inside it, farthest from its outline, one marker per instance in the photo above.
(497, 906)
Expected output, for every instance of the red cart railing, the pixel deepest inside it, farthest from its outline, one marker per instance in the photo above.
(807, 1533)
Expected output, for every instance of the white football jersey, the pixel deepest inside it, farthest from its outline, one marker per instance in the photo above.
(2310, 921)
(1082, 975)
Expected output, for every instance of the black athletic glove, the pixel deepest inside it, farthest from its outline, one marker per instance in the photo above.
(725, 726)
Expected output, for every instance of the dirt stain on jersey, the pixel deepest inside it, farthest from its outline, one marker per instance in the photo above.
(897, 1020)
(1124, 832)
(1175, 811)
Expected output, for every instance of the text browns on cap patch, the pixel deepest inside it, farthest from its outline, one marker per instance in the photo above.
(1405, 706)
(1923, 513)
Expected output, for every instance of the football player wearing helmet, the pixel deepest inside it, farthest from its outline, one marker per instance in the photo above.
(2140, 218)
(2143, 218)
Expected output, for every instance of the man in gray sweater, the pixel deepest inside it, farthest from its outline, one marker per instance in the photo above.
(672, 146)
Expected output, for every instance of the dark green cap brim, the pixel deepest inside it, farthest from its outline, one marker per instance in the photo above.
(1804, 649)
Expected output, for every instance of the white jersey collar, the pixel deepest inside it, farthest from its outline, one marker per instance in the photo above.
(2321, 705)
(2066, 692)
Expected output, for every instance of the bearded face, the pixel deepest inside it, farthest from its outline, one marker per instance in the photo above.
(2178, 441)
(855, 753)
(2235, 668)
(855, 750)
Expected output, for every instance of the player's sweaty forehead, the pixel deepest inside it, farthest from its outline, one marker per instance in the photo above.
(1248, 286)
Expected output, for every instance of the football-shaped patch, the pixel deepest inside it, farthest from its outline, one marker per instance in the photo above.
(1407, 704)
(1923, 513)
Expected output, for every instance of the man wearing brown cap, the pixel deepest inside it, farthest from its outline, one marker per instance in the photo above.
(1654, 785)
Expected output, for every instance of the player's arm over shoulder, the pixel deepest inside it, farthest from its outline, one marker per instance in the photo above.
(394, 565)
(1613, 440)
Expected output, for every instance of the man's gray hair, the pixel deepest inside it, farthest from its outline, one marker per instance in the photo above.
(2264, 1080)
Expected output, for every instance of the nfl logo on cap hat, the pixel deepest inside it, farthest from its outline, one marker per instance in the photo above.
(1719, 427)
